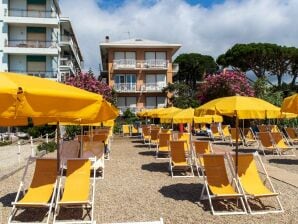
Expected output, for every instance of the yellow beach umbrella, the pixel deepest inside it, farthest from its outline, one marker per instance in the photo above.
(167, 111)
(153, 112)
(180, 116)
(208, 119)
(290, 104)
(24, 96)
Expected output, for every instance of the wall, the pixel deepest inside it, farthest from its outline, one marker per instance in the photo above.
(17, 33)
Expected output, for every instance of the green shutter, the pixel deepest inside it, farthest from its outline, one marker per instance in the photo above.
(37, 2)
(36, 30)
(36, 58)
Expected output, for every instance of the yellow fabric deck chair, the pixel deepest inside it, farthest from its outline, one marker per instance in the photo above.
(234, 136)
(187, 138)
(78, 191)
(164, 130)
(146, 134)
(215, 133)
(282, 144)
(218, 186)
(226, 135)
(134, 131)
(273, 128)
(251, 184)
(248, 137)
(292, 135)
(42, 190)
(266, 143)
(163, 146)
(200, 148)
(125, 130)
(178, 160)
(262, 128)
(154, 138)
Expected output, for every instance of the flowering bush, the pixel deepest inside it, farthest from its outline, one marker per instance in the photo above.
(88, 82)
(227, 83)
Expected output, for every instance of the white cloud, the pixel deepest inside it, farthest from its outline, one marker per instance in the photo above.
(208, 31)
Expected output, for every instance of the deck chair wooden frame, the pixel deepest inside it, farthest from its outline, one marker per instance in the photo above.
(43, 186)
(250, 182)
(282, 144)
(200, 148)
(179, 161)
(163, 146)
(78, 169)
(292, 135)
(266, 143)
(217, 185)
(248, 136)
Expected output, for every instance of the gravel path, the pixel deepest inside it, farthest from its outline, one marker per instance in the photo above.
(137, 187)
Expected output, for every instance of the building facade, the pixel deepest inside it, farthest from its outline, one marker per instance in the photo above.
(138, 70)
(36, 40)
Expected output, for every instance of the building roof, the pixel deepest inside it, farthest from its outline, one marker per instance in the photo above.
(138, 43)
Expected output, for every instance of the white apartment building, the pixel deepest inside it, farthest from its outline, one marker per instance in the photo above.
(36, 40)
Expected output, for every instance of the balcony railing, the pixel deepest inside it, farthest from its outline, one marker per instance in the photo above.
(140, 64)
(30, 13)
(30, 44)
(153, 87)
(66, 62)
(125, 87)
(133, 87)
(41, 74)
(122, 109)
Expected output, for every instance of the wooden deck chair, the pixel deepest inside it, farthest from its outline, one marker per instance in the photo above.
(252, 185)
(146, 134)
(248, 137)
(42, 190)
(201, 148)
(78, 191)
(217, 185)
(187, 146)
(266, 143)
(292, 135)
(233, 136)
(273, 128)
(154, 139)
(225, 133)
(178, 160)
(262, 128)
(282, 144)
(125, 130)
(95, 151)
(163, 146)
(215, 133)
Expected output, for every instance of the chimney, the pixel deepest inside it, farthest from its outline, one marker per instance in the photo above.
(107, 39)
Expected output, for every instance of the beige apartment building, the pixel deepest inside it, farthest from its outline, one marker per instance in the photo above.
(138, 70)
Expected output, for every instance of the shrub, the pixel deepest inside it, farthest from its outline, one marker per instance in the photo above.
(5, 143)
(48, 147)
(72, 131)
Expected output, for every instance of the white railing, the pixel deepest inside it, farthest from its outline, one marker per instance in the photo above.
(125, 87)
(124, 108)
(30, 13)
(41, 74)
(73, 45)
(140, 64)
(30, 44)
(153, 87)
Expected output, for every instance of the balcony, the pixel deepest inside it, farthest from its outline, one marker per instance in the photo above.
(37, 17)
(67, 64)
(133, 87)
(31, 47)
(175, 68)
(127, 64)
(41, 74)
(68, 40)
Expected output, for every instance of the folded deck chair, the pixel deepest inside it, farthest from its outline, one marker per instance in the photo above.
(154, 137)
(292, 135)
(282, 144)
(146, 134)
(78, 191)
(217, 185)
(163, 146)
(234, 136)
(251, 184)
(42, 190)
(266, 143)
(214, 133)
(199, 149)
(226, 135)
(248, 137)
(125, 130)
(178, 159)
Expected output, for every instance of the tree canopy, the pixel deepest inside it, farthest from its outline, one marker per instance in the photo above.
(193, 66)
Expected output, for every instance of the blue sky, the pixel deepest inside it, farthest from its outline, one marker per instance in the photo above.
(114, 4)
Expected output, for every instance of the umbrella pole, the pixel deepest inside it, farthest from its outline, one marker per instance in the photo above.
(237, 135)
(81, 145)
(58, 146)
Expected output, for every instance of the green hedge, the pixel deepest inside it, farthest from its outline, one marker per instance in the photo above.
(48, 147)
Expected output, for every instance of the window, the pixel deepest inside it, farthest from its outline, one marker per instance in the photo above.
(125, 82)
(125, 103)
(36, 65)
(125, 59)
(153, 102)
(118, 55)
(155, 82)
(156, 59)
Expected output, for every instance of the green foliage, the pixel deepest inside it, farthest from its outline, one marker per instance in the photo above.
(182, 96)
(129, 117)
(37, 131)
(5, 143)
(72, 131)
(193, 66)
(48, 147)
